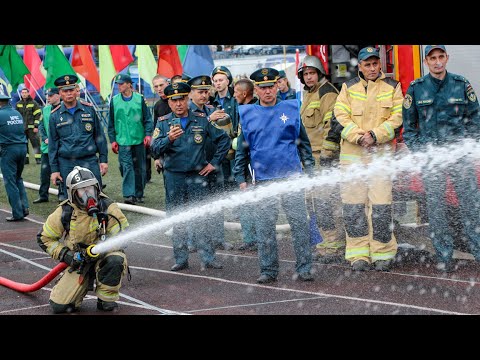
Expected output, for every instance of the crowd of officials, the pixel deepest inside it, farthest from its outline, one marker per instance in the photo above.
(209, 136)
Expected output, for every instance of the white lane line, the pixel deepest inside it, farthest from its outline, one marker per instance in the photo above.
(303, 291)
(463, 281)
(26, 218)
(149, 306)
(256, 304)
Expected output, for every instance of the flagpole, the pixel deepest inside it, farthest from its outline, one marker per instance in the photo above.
(36, 92)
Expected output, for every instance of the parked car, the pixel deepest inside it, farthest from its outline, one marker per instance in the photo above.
(278, 49)
(247, 49)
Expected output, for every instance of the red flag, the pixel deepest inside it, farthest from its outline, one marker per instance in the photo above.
(320, 51)
(121, 56)
(35, 80)
(168, 61)
(83, 64)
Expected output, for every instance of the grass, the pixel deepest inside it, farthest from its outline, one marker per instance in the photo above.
(154, 191)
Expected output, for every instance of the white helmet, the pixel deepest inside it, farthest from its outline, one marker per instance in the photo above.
(310, 61)
(82, 178)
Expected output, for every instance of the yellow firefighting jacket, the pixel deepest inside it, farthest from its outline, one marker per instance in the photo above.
(363, 106)
(83, 229)
(316, 113)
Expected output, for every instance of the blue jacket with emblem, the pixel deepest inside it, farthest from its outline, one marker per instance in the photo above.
(187, 153)
(11, 126)
(440, 111)
(75, 136)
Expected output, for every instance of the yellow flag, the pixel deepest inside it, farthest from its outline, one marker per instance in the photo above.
(147, 66)
(106, 70)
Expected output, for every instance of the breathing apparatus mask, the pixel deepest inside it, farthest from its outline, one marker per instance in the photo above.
(83, 190)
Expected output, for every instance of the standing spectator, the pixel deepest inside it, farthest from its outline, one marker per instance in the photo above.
(369, 107)
(180, 138)
(439, 109)
(225, 101)
(243, 93)
(323, 202)
(31, 113)
(285, 91)
(272, 132)
(76, 135)
(130, 132)
(13, 146)
(160, 109)
(53, 99)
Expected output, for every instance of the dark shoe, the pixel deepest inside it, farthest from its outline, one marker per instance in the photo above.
(106, 305)
(39, 162)
(11, 218)
(213, 265)
(265, 279)
(39, 200)
(192, 249)
(26, 212)
(27, 161)
(130, 200)
(360, 265)
(178, 267)
(382, 265)
(61, 199)
(104, 186)
(305, 277)
(248, 247)
(141, 200)
(224, 246)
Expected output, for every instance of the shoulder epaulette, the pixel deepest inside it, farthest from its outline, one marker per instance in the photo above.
(392, 82)
(352, 82)
(164, 117)
(416, 81)
(327, 88)
(199, 113)
(459, 77)
(208, 106)
(58, 107)
(83, 102)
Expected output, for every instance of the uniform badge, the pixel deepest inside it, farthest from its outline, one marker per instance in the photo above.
(198, 138)
(407, 102)
(156, 132)
(88, 127)
(471, 95)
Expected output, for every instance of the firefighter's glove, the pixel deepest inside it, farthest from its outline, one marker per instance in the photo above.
(75, 259)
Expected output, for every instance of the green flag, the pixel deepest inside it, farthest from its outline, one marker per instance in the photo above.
(56, 65)
(182, 51)
(12, 65)
(147, 66)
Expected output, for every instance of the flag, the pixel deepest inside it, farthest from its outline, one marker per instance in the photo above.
(147, 66)
(35, 80)
(83, 64)
(12, 65)
(169, 63)
(56, 64)
(320, 51)
(121, 56)
(182, 51)
(298, 83)
(107, 70)
(198, 61)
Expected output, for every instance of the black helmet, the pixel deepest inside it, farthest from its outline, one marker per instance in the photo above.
(83, 189)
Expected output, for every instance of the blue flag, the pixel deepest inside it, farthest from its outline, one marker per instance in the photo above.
(198, 61)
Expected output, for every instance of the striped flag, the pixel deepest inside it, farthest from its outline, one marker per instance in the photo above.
(107, 71)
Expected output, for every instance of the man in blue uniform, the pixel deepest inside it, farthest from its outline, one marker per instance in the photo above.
(439, 109)
(76, 135)
(274, 141)
(180, 138)
(13, 148)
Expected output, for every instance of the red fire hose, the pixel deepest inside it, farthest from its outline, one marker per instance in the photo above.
(38, 285)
